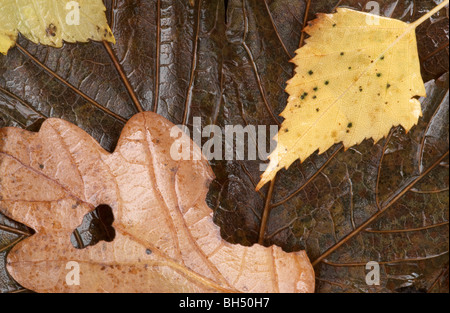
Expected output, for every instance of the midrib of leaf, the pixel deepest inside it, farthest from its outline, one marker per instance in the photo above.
(305, 20)
(387, 205)
(54, 181)
(276, 30)
(123, 76)
(436, 51)
(188, 101)
(66, 83)
(24, 103)
(12, 244)
(380, 163)
(266, 212)
(407, 230)
(174, 264)
(157, 61)
(111, 16)
(170, 217)
(354, 264)
(14, 230)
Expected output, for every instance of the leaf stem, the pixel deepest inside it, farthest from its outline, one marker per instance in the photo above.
(266, 213)
(429, 14)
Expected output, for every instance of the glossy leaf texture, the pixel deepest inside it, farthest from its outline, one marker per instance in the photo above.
(228, 62)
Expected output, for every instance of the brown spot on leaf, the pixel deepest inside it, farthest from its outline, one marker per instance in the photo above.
(51, 30)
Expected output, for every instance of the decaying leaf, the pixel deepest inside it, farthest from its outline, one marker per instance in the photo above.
(49, 22)
(355, 79)
(165, 238)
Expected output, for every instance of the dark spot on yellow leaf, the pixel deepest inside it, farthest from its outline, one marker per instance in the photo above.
(51, 30)
(327, 82)
(350, 125)
(310, 72)
(378, 74)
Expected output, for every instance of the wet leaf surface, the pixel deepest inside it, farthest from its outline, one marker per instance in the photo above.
(384, 202)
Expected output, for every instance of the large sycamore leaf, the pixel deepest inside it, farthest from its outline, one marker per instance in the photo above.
(165, 238)
(50, 22)
(354, 79)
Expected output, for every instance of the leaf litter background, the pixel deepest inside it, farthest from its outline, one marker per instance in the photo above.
(228, 62)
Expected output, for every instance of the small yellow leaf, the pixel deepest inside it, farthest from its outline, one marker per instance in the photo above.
(49, 22)
(354, 79)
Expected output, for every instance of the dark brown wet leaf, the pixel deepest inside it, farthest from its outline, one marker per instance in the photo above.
(386, 202)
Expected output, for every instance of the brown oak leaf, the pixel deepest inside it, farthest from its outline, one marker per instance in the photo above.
(165, 239)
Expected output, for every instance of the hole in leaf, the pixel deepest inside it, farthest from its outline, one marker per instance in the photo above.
(95, 227)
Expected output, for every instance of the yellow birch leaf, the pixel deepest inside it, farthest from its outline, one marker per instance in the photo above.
(354, 79)
(49, 22)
